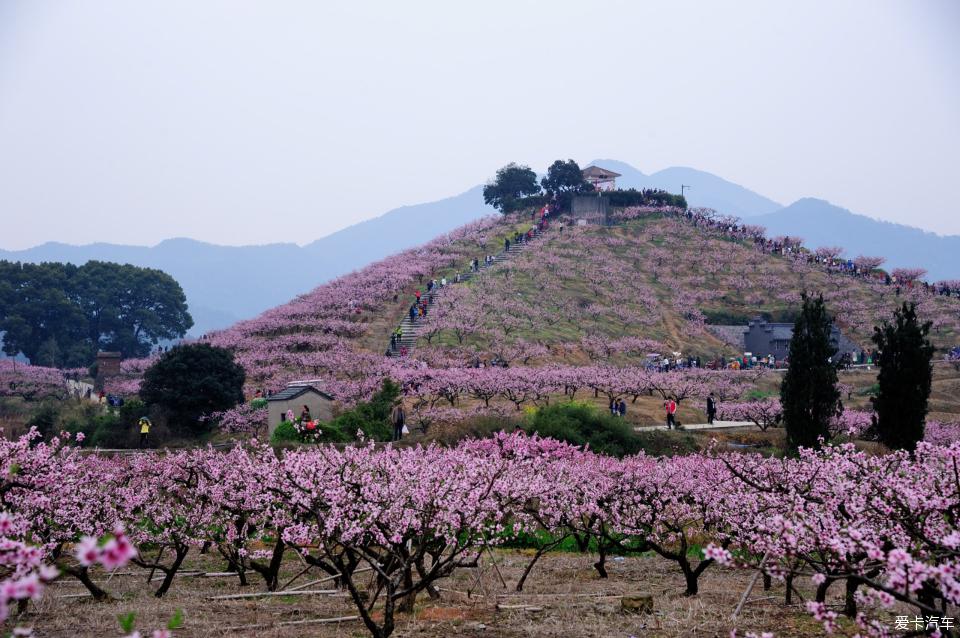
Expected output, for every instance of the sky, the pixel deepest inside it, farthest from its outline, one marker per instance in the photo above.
(253, 122)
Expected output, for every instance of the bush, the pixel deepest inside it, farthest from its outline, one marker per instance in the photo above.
(193, 380)
(582, 424)
(285, 433)
(527, 203)
(633, 197)
(45, 419)
(110, 432)
(371, 417)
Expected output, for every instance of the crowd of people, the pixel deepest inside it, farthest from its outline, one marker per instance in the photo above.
(793, 247)
(423, 299)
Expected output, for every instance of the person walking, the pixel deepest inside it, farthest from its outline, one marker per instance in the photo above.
(399, 419)
(670, 405)
(711, 409)
(622, 409)
(144, 424)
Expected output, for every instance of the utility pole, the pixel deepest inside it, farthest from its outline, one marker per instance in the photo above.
(682, 188)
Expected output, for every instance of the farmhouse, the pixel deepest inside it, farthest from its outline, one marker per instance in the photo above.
(294, 397)
(764, 338)
(601, 178)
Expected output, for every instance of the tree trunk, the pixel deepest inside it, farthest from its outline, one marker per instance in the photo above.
(601, 563)
(850, 601)
(181, 553)
(536, 557)
(407, 603)
(83, 575)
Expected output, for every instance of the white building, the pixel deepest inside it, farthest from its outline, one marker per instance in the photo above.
(601, 178)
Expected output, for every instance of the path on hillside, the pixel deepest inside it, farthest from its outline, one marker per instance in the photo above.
(716, 425)
(410, 329)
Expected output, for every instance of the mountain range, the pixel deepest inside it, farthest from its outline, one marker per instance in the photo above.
(224, 284)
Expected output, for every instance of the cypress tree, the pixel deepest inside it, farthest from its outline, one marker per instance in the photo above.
(809, 392)
(904, 380)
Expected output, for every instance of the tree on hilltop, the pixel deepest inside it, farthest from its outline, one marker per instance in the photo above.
(512, 183)
(904, 379)
(563, 181)
(809, 393)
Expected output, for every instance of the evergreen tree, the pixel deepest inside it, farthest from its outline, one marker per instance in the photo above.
(190, 381)
(512, 183)
(809, 392)
(904, 380)
(563, 181)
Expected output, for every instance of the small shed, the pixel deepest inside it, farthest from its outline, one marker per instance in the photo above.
(294, 397)
(108, 365)
(601, 178)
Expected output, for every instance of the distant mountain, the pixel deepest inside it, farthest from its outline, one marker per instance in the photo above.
(706, 189)
(224, 284)
(400, 228)
(821, 223)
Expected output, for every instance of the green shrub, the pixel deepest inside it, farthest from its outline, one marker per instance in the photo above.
(45, 418)
(333, 432)
(285, 433)
(109, 431)
(258, 403)
(633, 197)
(582, 424)
(371, 417)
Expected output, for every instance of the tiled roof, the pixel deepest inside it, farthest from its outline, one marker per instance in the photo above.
(596, 171)
(293, 391)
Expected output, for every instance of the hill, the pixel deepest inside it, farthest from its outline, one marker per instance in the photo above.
(225, 284)
(662, 279)
(821, 223)
(582, 296)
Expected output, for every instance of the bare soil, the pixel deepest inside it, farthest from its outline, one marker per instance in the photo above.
(562, 597)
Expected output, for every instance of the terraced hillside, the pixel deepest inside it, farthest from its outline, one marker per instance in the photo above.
(659, 279)
(579, 295)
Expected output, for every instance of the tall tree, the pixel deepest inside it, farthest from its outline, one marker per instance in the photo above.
(904, 380)
(512, 183)
(61, 314)
(809, 393)
(193, 380)
(563, 181)
(39, 315)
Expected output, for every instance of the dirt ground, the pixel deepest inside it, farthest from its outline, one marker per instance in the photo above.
(565, 594)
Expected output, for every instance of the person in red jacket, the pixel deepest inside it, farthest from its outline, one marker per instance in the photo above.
(671, 407)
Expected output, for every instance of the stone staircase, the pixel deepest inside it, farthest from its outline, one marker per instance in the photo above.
(410, 329)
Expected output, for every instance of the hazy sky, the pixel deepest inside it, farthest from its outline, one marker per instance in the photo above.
(250, 122)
